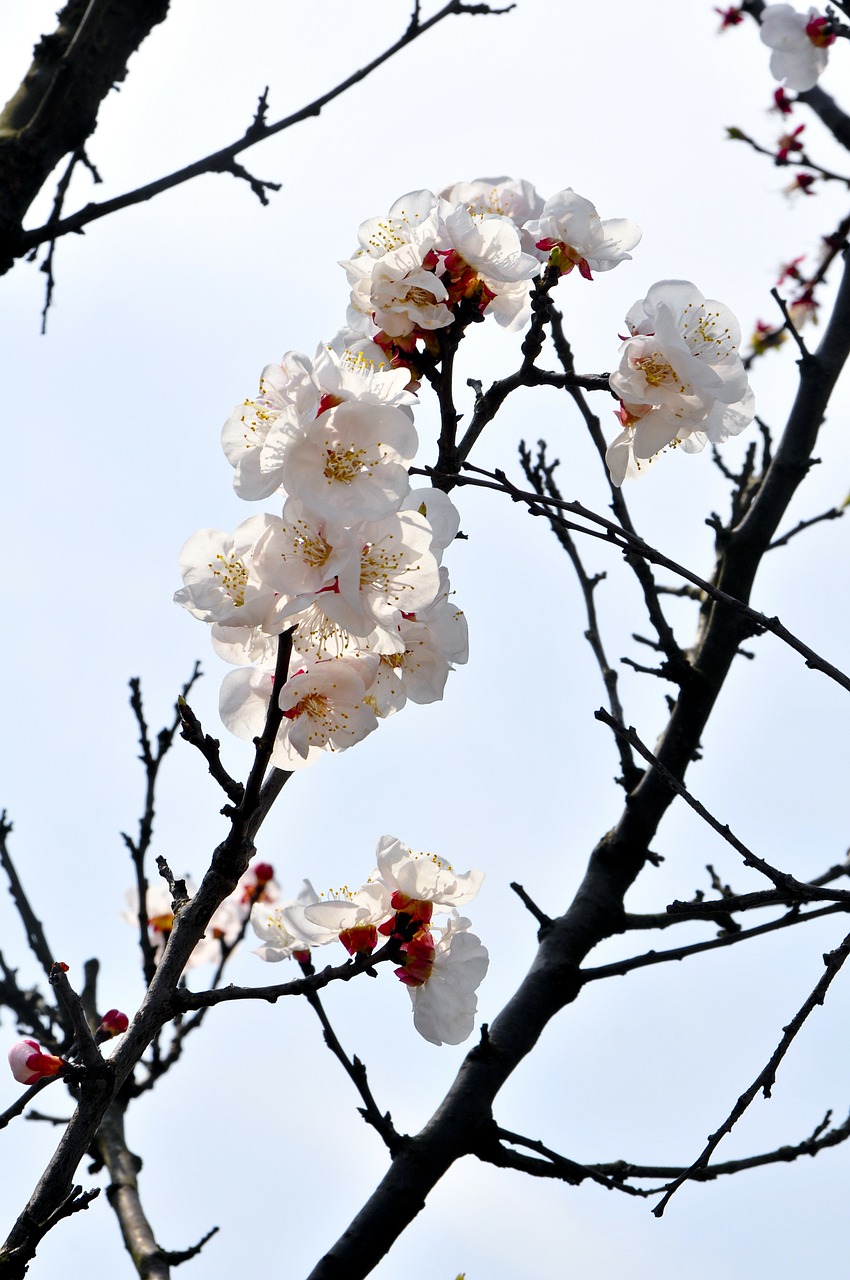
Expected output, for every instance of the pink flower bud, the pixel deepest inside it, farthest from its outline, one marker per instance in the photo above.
(29, 1062)
(113, 1023)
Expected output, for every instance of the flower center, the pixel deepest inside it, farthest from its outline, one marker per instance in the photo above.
(344, 464)
(657, 370)
(233, 577)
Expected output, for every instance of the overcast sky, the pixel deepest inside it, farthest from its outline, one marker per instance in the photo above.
(164, 316)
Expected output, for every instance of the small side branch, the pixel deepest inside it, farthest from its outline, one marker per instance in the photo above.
(621, 967)
(629, 543)
(834, 513)
(546, 1164)
(766, 1078)
(151, 758)
(14, 1262)
(224, 160)
(191, 731)
(32, 925)
(795, 888)
(356, 1071)
(540, 475)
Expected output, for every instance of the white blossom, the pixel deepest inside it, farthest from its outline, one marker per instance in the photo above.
(423, 877)
(681, 380)
(800, 44)
(284, 388)
(269, 924)
(219, 581)
(350, 464)
(570, 227)
(506, 197)
(444, 1006)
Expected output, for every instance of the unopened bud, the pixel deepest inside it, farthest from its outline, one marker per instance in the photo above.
(113, 1023)
(30, 1063)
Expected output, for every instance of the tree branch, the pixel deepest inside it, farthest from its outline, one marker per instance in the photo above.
(767, 1076)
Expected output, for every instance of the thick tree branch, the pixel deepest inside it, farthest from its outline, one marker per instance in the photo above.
(55, 109)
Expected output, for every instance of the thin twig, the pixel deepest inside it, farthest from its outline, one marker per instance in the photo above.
(356, 1071)
(540, 475)
(781, 879)
(32, 925)
(256, 132)
(622, 967)
(765, 1079)
(630, 543)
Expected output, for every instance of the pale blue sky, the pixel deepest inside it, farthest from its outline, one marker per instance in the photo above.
(164, 317)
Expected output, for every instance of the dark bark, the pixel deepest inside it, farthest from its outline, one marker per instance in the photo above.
(55, 109)
(597, 911)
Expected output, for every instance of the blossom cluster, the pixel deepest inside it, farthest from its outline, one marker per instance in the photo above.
(441, 966)
(470, 252)
(352, 566)
(228, 920)
(681, 380)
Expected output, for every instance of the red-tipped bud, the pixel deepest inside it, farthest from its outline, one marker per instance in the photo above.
(782, 103)
(362, 938)
(418, 960)
(30, 1063)
(820, 32)
(113, 1023)
(730, 17)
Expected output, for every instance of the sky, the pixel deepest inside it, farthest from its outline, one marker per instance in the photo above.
(164, 316)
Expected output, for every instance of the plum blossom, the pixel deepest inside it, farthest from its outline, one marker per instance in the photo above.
(352, 917)
(800, 44)
(390, 280)
(571, 234)
(681, 380)
(219, 582)
(352, 368)
(29, 1063)
(421, 881)
(351, 462)
(245, 435)
(351, 570)
(324, 707)
(503, 197)
(269, 924)
(443, 998)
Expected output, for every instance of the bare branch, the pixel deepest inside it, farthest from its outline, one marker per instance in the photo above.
(621, 967)
(223, 160)
(32, 925)
(540, 475)
(381, 1122)
(765, 1079)
(834, 513)
(630, 543)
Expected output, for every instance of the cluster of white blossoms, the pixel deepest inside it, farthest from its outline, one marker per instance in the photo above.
(228, 920)
(469, 252)
(351, 568)
(800, 44)
(352, 565)
(441, 965)
(681, 380)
